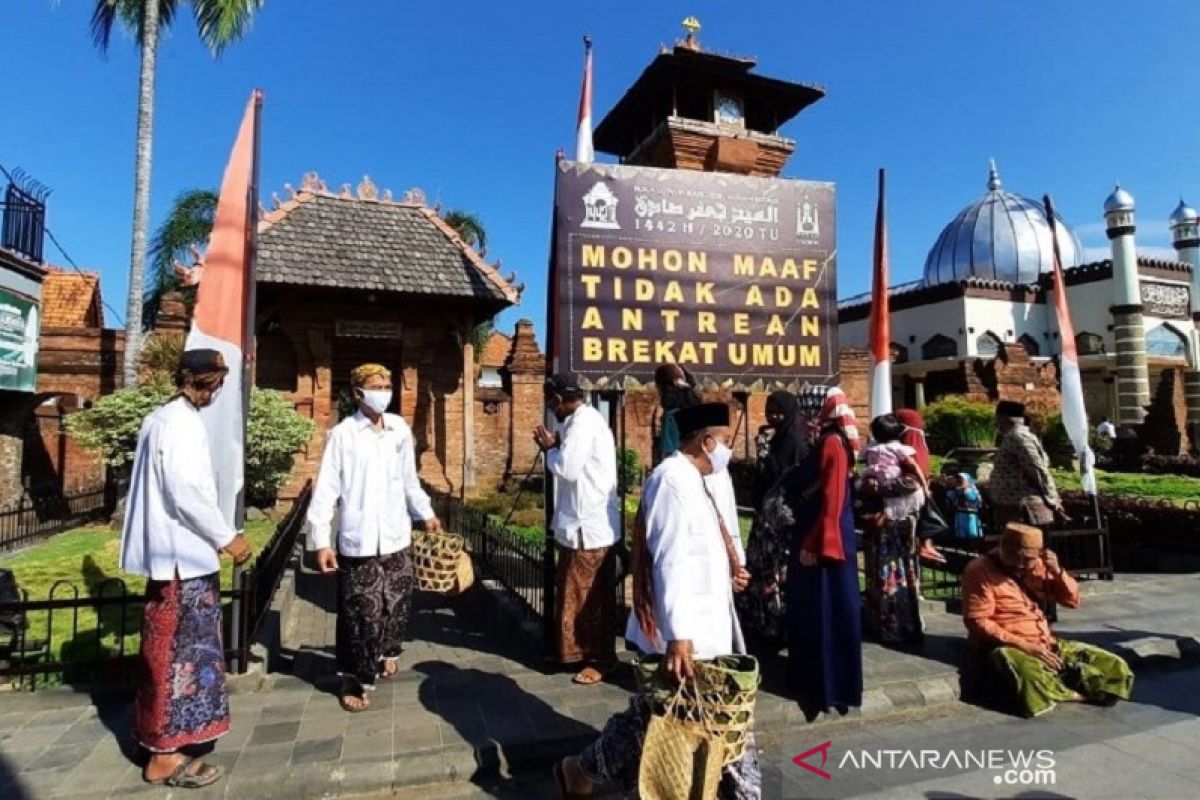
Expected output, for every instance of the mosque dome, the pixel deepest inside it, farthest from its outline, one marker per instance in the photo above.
(1002, 236)
(1184, 215)
(1119, 200)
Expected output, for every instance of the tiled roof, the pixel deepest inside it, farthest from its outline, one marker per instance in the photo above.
(496, 350)
(71, 299)
(369, 242)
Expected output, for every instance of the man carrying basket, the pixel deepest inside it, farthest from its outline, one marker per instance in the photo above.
(687, 619)
(369, 470)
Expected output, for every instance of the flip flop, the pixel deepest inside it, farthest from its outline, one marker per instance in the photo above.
(929, 554)
(392, 664)
(206, 775)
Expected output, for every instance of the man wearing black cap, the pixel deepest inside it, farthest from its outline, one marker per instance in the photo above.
(695, 565)
(174, 534)
(581, 455)
(1021, 487)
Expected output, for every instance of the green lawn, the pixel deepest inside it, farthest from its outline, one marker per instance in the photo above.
(1176, 488)
(84, 560)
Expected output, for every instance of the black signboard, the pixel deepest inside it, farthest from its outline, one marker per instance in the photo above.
(731, 276)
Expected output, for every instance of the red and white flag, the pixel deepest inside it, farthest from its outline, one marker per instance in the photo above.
(881, 325)
(223, 316)
(583, 133)
(1074, 412)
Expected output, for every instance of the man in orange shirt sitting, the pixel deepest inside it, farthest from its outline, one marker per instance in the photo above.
(1002, 595)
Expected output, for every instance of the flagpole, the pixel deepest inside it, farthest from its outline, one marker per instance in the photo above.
(248, 324)
(1060, 285)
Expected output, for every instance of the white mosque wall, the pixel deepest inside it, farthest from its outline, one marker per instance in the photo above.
(1007, 320)
(913, 327)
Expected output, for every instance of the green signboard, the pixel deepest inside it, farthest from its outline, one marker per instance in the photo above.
(18, 342)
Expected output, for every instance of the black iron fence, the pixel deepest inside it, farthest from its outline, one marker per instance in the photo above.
(23, 214)
(91, 635)
(38, 516)
(508, 555)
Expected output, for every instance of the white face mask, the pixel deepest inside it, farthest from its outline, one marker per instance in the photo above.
(377, 399)
(719, 457)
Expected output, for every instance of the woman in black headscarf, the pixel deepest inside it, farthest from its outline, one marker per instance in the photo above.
(761, 606)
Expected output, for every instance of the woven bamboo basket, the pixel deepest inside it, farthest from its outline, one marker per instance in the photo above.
(435, 558)
(728, 688)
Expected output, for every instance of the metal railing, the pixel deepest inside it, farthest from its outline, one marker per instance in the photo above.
(99, 643)
(499, 552)
(39, 516)
(24, 219)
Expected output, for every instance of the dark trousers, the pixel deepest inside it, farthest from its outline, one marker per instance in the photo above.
(374, 603)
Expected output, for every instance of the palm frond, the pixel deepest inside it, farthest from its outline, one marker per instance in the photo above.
(221, 22)
(469, 227)
(107, 14)
(188, 224)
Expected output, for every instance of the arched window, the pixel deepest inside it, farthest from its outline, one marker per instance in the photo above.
(899, 353)
(939, 347)
(1031, 345)
(1166, 341)
(988, 345)
(1089, 344)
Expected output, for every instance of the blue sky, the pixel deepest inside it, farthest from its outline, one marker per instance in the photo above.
(470, 100)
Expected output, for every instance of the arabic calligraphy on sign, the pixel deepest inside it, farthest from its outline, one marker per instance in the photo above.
(1166, 300)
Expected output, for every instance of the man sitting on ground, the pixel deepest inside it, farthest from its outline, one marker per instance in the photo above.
(1002, 595)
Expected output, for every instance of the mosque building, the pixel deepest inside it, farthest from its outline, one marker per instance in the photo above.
(984, 304)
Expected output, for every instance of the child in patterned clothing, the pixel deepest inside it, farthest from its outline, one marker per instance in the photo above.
(894, 476)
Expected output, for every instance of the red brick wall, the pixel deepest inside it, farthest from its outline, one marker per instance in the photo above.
(52, 458)
(493, 419)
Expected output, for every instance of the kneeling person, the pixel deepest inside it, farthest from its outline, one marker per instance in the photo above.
(1002, 593)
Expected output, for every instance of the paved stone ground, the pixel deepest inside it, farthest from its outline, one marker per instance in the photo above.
(475, 710)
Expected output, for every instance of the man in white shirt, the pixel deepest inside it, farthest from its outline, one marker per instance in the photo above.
(581, 457)
(369, 474)
(696, 563)
(1106, 429)
(173, 535)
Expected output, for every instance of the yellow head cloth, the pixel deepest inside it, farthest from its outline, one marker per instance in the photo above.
(360, 374)
(1021, 537)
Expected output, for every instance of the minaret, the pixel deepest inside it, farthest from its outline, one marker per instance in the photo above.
(1185, 231)
(1133, 377)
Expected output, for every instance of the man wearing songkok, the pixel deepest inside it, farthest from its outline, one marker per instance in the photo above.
(695, 566)
(581, 456)
(369, 475)
(174, 534)
(1021, 488)
(1002, 595)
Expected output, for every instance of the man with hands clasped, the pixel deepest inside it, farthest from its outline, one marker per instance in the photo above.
(369, 475)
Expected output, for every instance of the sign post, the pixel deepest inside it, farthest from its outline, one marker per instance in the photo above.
(730, 276)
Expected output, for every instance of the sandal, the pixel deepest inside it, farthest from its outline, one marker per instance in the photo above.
(930, 554)
(347, 694)
(391, 668)
(590, 676)
(181, 778)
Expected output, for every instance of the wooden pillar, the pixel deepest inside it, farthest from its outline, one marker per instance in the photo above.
(468, 399)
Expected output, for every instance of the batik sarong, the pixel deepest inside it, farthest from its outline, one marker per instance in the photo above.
(374, 603)
(893, 580)
(181, 699)
(616, 756)
(586, 605)
(1087, 670)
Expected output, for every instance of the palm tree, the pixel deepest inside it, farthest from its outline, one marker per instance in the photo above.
(187, 226)
(219, 23)
(469, 228)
